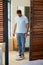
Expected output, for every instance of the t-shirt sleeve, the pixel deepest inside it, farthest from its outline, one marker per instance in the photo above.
(26, 19)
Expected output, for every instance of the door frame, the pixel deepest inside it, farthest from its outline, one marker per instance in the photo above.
(31, 25)
(6, 30)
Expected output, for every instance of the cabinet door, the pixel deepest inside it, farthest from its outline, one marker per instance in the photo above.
(36, 27)
(1, 21)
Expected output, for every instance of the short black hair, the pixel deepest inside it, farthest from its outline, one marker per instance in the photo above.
(19, 11)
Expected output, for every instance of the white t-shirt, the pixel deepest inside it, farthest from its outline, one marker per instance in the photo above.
(21, 24)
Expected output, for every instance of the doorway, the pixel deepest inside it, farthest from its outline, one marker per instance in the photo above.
(13, 6)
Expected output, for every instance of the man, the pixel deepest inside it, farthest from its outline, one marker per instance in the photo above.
(21, 29)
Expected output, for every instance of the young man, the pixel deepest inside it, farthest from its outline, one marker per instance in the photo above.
(21, 29)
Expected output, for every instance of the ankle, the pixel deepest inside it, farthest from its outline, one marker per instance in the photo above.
(20, 55)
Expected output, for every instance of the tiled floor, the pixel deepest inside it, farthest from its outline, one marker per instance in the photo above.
(12, 58)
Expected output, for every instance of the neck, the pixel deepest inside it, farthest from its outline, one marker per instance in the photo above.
(21, 16)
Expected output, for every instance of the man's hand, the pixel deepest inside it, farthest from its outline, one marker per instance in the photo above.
(26, 34)
(13, 34)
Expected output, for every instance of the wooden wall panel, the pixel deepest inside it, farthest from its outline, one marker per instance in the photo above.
(1, 21)
(36, 34)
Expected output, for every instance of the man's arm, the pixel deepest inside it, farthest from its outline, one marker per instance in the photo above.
(27, 27)
(15, 25)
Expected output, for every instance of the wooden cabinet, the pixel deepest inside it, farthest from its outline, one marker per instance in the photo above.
(36, 28)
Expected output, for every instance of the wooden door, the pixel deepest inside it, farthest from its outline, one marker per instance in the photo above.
(1, 21)
(36, 27)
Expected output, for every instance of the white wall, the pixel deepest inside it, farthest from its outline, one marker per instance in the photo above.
(14, 5)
